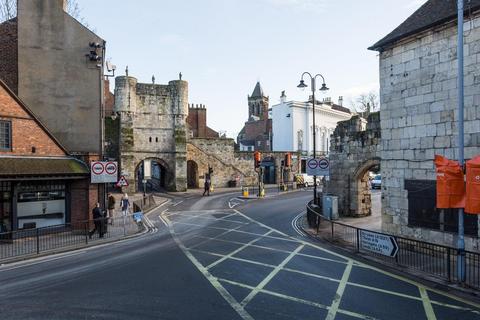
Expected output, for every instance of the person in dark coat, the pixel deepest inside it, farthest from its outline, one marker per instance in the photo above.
(98, 221)
(207, 187)
(111, 207)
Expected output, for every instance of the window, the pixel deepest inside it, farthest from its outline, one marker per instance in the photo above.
(5, 135)
(156, 139)
(150, 139)
(422, 212)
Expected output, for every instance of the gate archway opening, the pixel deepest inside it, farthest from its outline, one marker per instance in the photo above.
(158, 182)
(366, 198)
(192, 175)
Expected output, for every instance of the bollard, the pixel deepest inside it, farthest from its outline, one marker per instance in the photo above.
(262, 193)
(245, 191)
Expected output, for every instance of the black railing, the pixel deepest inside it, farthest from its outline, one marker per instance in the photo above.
(28, 242)
(433, 259)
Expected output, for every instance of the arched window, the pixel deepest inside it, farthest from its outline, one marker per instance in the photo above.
(150, 139)
(156, 139)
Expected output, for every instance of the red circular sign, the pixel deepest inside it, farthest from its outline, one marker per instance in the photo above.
(97, 168)
(312, 164)
(111, 168)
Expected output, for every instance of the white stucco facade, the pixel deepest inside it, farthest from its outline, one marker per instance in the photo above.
(292, 123)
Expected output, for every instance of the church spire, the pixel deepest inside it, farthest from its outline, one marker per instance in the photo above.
(258, 91)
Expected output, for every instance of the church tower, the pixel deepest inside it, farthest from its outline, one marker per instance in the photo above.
(258, 104)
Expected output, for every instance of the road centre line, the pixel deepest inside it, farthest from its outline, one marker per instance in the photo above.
(332, 312)
(235, 251)
(270, 276)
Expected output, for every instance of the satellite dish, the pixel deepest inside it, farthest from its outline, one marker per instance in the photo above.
(111, 67)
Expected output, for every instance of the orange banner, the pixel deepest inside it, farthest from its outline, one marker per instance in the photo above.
(473, 186)
(450, 183)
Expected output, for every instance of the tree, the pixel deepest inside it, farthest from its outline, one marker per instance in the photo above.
(367, 103)
(8, 10)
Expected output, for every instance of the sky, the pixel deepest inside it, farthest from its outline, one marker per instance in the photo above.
(223, 47)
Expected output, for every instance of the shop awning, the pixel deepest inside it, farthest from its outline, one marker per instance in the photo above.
(42, 167)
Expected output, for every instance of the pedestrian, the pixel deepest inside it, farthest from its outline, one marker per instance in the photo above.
(206, 187)
(97, 221)
(111, 207)
(125, 204)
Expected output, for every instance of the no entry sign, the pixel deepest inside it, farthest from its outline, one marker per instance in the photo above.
(104, 171)
(318, 167)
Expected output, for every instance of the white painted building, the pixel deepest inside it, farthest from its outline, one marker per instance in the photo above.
(292, 123)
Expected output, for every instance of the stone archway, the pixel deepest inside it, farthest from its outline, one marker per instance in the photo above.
(360, 193)
(161, 176)
(192, 175)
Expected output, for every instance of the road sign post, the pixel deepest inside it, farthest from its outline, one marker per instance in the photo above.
(378, 243)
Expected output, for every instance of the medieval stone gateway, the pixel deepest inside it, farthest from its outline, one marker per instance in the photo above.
(355, 150)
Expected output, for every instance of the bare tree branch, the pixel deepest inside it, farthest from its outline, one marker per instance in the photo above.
(367, 103)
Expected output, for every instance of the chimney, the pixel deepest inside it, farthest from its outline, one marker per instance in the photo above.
(340, 101)
(283, 97)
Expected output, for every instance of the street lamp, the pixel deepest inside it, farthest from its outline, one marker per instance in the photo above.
(324, 88)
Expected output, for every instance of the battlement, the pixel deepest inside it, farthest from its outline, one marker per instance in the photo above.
(196, 106)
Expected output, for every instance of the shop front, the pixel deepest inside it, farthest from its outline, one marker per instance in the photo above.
(29, 202)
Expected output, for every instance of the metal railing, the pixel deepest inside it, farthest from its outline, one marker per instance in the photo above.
(28, 242)
(433, 259)
(144, 204)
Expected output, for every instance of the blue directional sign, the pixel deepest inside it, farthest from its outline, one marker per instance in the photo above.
(138, 216)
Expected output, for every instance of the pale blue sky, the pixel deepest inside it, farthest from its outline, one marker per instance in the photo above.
(223, 47)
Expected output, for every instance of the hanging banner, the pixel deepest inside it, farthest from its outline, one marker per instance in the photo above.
(472, 204)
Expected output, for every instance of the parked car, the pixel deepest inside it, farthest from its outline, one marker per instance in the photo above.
(376, 182)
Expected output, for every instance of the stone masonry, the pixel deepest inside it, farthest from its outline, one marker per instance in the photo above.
(153, 126)
(418, 93)
(355, 149)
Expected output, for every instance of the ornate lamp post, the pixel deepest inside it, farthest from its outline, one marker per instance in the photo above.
(324, 88)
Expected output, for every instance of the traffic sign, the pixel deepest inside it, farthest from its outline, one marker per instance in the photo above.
(103, 171)
(122, 182)
(318, 167)
(378, 243)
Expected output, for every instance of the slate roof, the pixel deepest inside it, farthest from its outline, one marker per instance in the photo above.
(258, 91)
(14, 167)
(432, 13)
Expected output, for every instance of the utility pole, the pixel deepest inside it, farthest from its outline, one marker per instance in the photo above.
(461, 160)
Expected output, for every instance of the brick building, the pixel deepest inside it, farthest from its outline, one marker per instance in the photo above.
(197, 122)
(65, 90)
(418, 93)
(257, 132)
(40, 184)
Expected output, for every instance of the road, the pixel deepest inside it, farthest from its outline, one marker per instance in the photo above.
(218, 257)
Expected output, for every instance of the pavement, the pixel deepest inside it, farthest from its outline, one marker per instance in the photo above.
(219, 257)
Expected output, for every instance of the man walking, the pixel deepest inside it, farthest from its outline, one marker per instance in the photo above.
(207, 187)
(97, 221)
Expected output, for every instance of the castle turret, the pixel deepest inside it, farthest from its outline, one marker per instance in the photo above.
(125, 94)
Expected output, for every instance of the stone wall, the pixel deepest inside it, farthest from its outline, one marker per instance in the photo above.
(153, 126)
(355, 149)
(418, 93)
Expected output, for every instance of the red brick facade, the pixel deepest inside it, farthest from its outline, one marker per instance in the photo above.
(197, 122)
(28, 136)
(109, 98)
(9, 54)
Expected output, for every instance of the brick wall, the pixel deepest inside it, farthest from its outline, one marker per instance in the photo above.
(197, 122)
(26, 132)
(9, 54)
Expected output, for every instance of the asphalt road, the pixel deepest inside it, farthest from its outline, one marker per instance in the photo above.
(218, 257)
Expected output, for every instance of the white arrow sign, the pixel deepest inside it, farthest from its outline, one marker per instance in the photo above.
(378, 243)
